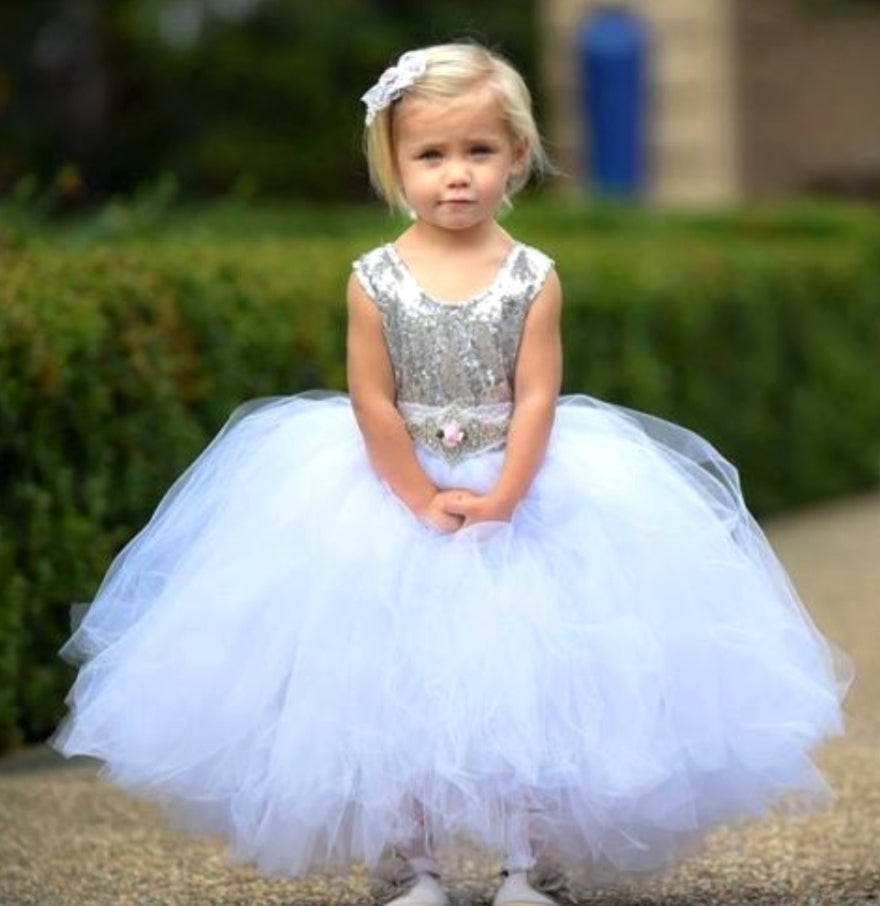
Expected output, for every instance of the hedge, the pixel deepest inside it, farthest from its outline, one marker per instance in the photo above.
(119, 361)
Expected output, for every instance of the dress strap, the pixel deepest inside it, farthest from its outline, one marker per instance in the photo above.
(379, 274)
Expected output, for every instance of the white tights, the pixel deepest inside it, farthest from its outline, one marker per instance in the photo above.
(521, 842)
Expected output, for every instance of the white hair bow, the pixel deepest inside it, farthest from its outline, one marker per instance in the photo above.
(394, 81)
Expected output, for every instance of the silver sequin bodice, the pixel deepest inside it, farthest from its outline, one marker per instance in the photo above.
(453, 363)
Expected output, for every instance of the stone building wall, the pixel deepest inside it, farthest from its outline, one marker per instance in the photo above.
(836, 111)
(809, 97)
(748, 97)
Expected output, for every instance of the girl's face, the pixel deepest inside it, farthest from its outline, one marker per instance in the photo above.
(454, 157)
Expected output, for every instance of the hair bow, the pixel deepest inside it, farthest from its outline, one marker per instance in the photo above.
(394, 81)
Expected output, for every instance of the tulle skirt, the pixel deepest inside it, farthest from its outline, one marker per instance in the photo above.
(286, 656)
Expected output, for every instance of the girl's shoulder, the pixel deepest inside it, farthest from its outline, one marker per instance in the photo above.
(384, 256)
(527, 272)
(378, 273)
(381, 271)
(372, 257)
(529, 261)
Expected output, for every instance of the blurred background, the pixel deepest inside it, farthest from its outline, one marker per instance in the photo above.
(677, 102)
(728, 100)
(253, 97)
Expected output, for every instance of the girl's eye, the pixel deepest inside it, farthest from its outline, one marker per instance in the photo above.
(429, 154)
(481, 150)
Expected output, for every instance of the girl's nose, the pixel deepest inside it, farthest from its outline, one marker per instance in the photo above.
(457, 173)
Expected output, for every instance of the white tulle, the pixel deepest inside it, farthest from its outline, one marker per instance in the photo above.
(287, 656)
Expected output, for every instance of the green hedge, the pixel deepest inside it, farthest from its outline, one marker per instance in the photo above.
(119, 360)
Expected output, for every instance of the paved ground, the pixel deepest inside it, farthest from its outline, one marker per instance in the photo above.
(67, 839)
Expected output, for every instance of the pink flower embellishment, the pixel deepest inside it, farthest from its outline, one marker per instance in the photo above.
(451, 434)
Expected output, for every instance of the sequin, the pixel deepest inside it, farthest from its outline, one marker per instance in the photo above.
(458, 355)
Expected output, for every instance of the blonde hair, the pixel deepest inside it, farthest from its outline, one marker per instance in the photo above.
(451, 70)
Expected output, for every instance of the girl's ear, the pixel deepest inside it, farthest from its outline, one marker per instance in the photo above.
(520, 156)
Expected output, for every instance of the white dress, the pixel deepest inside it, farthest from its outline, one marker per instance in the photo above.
(286, 656)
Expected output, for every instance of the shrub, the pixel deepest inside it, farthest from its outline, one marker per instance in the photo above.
(119, 361)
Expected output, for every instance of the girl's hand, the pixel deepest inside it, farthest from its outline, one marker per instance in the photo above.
(475, 508)
(437, 515)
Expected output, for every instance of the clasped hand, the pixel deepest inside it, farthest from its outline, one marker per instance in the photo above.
(450, 510)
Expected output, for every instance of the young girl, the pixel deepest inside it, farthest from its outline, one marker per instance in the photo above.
(453, 604)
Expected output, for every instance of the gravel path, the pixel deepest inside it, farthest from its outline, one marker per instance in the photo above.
(68, 839)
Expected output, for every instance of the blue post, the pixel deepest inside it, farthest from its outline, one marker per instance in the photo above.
(612, 58)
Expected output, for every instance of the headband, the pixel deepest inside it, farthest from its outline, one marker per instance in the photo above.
(394, 81)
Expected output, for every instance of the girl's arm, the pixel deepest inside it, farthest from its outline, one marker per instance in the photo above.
(371, 388)
(536, 389)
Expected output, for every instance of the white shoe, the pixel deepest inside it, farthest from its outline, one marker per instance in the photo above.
(515, 890)
(425, 892)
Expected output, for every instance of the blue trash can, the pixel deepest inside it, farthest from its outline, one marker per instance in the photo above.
(612, 51)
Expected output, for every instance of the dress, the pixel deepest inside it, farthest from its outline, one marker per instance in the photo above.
(286, 656)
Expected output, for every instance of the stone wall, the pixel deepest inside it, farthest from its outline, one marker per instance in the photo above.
(749, 98)
(836, 111)
(809, 98)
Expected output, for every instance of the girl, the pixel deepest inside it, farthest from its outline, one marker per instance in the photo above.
(453, 604)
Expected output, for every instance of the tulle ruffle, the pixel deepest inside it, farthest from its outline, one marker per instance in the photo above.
(286, 656)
